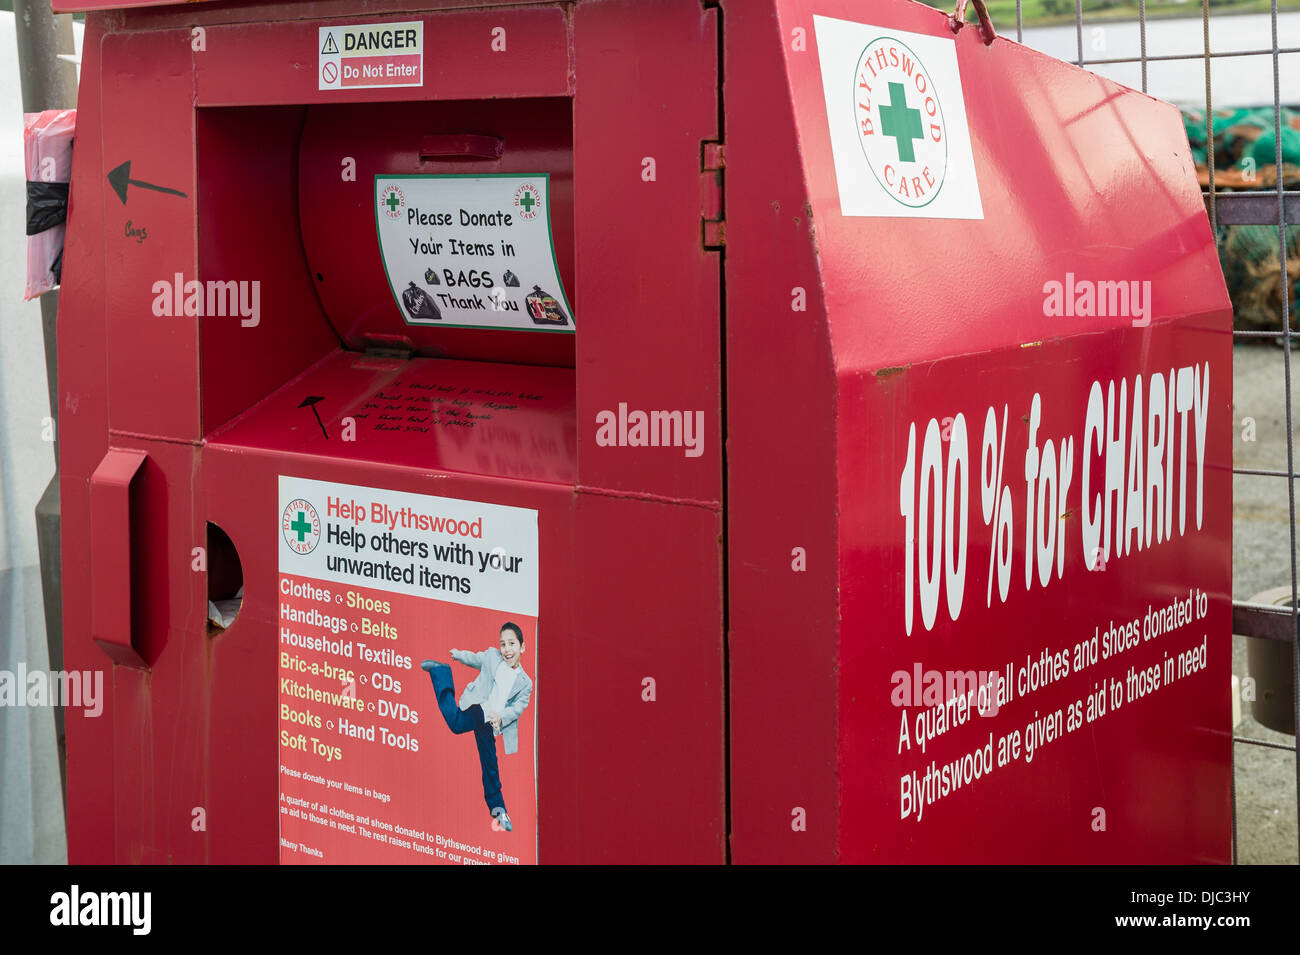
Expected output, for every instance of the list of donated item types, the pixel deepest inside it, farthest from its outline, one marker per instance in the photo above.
(382, 760)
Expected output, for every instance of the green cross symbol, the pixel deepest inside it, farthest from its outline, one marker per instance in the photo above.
(901, 122)
(301, 526)
(393, 202)
(528, 202)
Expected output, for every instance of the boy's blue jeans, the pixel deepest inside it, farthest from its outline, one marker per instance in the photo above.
(470, 721)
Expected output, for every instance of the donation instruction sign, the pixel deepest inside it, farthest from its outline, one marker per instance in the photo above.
(471, 251)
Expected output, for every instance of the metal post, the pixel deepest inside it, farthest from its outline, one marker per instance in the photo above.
(48, 83)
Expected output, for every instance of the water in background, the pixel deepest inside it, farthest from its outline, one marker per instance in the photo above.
(1235, 81)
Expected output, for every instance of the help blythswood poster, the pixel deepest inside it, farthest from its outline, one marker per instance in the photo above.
(384, 757)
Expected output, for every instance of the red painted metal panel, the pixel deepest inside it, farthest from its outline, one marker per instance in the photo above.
(152, 352)
(173, 12)
(1060, 154)
(781, 488)
(88, 5)
(268, 63)
(646, 99)
(625, 622)
(416, 414)
(654, 758)
(83, 427)
(1158, 765)
(924, 319)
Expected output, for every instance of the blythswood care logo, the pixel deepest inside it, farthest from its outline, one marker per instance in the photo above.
(898, 129)
(392, 201)
(300, 525)
(528, 201)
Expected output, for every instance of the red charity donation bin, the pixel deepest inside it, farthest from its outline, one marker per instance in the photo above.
(879, 510)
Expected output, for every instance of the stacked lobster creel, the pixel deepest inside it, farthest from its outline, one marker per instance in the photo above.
(1245, 158)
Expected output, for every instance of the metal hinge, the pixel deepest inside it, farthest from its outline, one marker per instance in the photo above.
(388, 346)
(713, 163)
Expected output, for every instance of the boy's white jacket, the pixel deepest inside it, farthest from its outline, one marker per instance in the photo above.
(480, 691)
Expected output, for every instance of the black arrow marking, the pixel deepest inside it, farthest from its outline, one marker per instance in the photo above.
(120, 178)
(310, 402)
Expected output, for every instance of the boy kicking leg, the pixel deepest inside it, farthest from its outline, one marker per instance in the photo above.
(471, 720)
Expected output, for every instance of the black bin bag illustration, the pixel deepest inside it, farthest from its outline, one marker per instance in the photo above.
(419, 305)
(544, 309)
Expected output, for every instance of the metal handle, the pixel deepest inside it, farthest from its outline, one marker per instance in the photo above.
(958, 20)
(461, 146)
(110, 548)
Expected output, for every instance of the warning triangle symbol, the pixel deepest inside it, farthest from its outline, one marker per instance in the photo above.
(330, 46)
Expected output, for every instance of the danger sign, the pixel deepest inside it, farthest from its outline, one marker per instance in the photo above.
(368, 55)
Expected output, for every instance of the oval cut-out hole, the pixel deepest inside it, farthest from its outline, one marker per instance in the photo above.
(225, 580)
